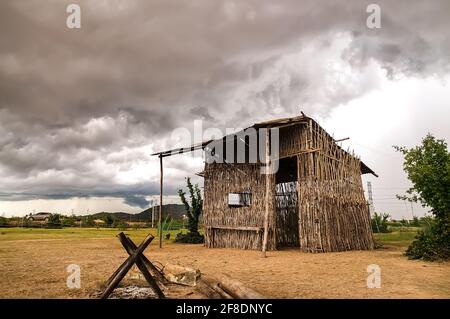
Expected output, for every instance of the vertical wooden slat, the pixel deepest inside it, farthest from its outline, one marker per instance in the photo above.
(268, 192)
(160, 201)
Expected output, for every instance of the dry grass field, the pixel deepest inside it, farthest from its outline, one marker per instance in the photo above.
(34, 261)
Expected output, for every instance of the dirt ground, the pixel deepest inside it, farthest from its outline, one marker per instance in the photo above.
(36, 268)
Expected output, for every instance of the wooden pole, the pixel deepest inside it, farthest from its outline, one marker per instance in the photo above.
(123, 269)
(142, 264)
(153, 214)
(266, 214)
(160, 201)
(130, 246)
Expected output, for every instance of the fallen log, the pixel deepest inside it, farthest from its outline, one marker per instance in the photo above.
(205, 288)
(235, 288)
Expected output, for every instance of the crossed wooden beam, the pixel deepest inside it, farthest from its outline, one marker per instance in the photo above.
(137, 257)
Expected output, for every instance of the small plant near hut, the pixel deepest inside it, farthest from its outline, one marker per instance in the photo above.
(193, 212)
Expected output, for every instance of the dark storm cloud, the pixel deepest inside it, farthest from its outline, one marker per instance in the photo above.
(79, 107)
(137, 201)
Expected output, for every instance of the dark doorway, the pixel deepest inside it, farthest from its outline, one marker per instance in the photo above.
(287, 203)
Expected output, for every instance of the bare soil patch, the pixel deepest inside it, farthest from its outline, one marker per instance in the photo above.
(37, 269)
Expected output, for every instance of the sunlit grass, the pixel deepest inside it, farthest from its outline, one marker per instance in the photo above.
(396, 238)
(18, 233)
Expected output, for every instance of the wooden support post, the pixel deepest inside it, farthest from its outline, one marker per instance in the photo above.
(130, 246)
(268, 184)
(141, 264)
(160, 200)
(123, 269)
(153, 215)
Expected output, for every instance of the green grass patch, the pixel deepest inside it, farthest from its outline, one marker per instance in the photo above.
(18, 233)
(400, 238)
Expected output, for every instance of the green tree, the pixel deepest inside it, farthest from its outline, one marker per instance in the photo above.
(193, 211)
(108, 220)
(54, 221)
(3, 221)
(89, 221)
(428, 168)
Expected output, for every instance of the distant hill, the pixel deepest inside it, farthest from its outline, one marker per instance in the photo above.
(173, 210)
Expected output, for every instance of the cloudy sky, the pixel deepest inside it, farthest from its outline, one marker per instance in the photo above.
(82, 109)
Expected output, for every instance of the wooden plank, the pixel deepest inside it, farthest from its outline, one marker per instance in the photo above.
(257, 229)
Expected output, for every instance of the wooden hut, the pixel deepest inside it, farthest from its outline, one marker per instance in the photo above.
(312, 198)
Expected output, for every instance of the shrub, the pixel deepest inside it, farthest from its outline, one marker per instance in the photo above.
(415, 222)
(380, 223)
(190, 238)
(54, 221)
(68, 221)
(432, 243)
(121, 225)
(3, 221)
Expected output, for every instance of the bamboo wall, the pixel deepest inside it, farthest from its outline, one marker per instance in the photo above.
(327, 212)
(332, 209)
(236, 227)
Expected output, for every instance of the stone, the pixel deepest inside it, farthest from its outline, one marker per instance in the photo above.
(181, 275)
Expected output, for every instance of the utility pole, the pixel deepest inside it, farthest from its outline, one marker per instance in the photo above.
(369, 192)
(152, 202)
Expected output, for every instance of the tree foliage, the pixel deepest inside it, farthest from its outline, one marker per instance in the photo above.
(54, 221)
(428, 169)
(193, 211)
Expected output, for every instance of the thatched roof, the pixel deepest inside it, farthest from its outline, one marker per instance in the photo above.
(278, 123)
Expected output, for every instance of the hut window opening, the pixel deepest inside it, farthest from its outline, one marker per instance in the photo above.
(239, 199)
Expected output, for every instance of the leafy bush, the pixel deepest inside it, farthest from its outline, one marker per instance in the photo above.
(3, 221)
(67, 221)
(190, 238)
(121, 225)
(380, 223)
(54, 221)
(415, 222)
(89, 221)
(432, 243)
